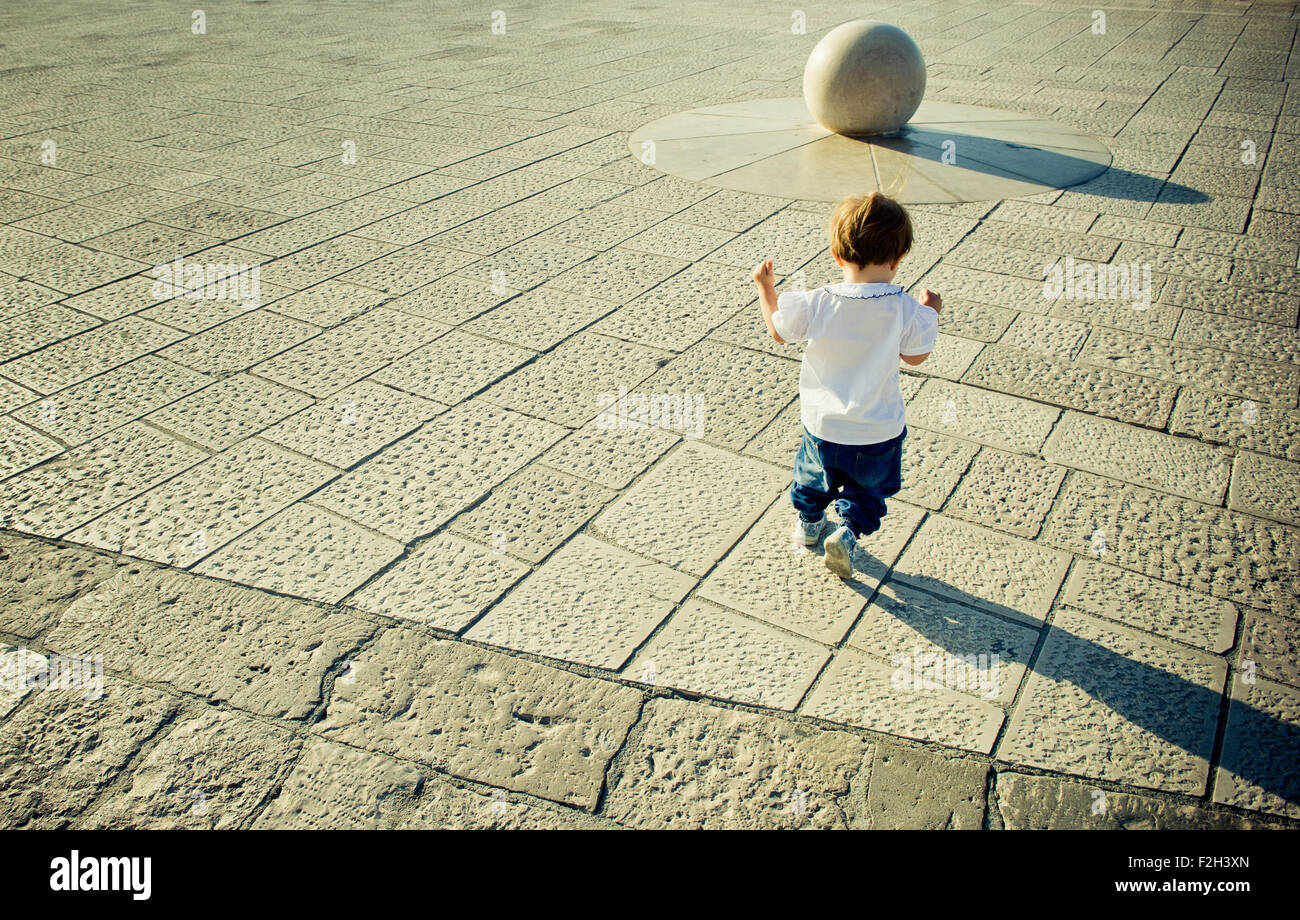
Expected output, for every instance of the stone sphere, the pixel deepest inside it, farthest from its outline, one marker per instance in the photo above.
(864, 77)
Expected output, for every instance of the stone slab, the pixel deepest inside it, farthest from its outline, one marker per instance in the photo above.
(690, 509)
(210, 771)
(305, 551)
(1178, 466)
(975, 566)
(1154, 606)
(695, 766)
(1257, 767)
(860, 691)
(590, 603)
(482, 716)
(229, 644)
(1107, 703)
(707, 650)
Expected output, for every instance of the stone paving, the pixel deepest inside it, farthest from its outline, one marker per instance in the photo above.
(357, 540)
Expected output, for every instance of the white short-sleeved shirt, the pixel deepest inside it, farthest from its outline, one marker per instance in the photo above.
(848, 385)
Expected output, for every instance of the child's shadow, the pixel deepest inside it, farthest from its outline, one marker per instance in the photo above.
(1262, 751)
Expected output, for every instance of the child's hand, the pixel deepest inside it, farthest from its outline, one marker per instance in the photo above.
(930, 299)
(764, 276)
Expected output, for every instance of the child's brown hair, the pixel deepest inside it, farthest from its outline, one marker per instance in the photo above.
(870, 230)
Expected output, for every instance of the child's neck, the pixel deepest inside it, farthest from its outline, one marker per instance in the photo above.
(868, 274)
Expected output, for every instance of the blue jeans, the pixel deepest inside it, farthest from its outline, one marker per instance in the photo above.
(861, 475)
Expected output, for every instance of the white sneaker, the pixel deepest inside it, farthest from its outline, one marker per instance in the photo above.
(808, 533)
(839, 552)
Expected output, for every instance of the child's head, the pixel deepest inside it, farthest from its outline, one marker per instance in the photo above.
(870, 230)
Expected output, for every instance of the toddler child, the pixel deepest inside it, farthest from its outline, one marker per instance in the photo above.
(850, 402)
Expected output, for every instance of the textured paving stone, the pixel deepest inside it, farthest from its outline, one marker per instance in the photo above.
(1159, 320)
(330, 303)
(528, 264)
(691, 507)
(446, 582)
(239, 344)
(12, 396)
(228, 411)
(577, 380)
(22, 447)
(740, 390)
(976, 566)
(1256, 768)
(610, 456)
(1176, 465)
(702, 767)
(618, 275)
(1204, 367)
(590, 603)
(936, 644)
(333, 786)
(1046, 335)
(17, 666)
(345, 354)
(30, 330)
(61, 750)
(1266, 486)
(1008, 492)
(1268, 645)
(305, 551)
(971, 320)
(772, 577)
(443, 805)
(987, 287)
(533, 512)
(680, 311)
(1122, 707)
(229, 644)
(202, 315)
(86, 481)
(453, 367)
(414, 266)
(1039, 802)
(1247, 337)
(1154, 606)
(92, 408)
(708, 650)
(1210, 550)
(481, 715)
(990, 418)
(353, 424)
(912, 789)
(1213, 297)
(933, 464)
(39, 580)
(601, 227)
(1237, 422)
(90, 353)
(858, 690)
(210, 771)
(442, 468)
(185, 519)
(540, 318)
(1099, 390)
(951, 358)
(323, 261)
(453, 299)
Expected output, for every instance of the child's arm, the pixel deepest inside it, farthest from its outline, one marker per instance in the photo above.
(932, 300)
(764, 279)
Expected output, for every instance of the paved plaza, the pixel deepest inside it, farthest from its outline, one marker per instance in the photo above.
(371, 532)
